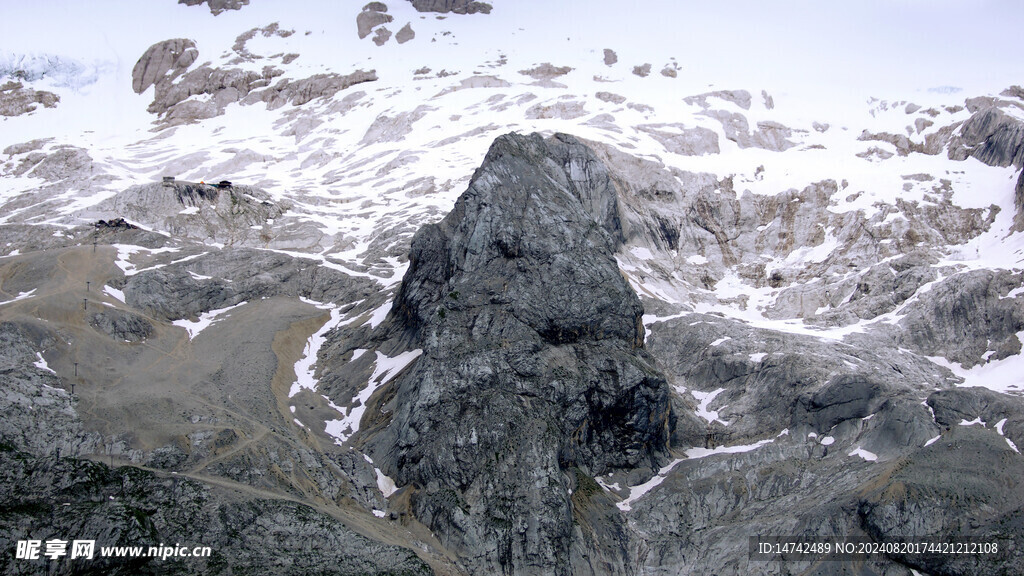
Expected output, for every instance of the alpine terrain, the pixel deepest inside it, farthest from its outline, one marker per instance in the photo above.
(524, 288)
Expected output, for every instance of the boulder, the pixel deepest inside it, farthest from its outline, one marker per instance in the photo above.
(168, 57)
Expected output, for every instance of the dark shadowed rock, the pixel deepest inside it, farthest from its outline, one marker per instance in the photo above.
(79, 499)
(610, 57)
(992, 136)
(121, 325)
(533, 378)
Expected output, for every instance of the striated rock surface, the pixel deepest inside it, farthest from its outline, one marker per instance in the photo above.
(992, 136)
(533, 378)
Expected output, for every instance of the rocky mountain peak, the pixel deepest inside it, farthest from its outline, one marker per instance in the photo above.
(533, 377)
(540, 221)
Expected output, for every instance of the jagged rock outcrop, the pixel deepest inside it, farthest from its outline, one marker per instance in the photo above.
(533, 378)
(165, 66)
(123, 326)
(16, 100)
(199, 211)
(456, 6)
(940, 494)
(217, 6)
(968, 318)
(992, 136)
(170, 56)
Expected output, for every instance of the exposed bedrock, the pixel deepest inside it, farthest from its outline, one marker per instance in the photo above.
(533, 377)
(992, 136)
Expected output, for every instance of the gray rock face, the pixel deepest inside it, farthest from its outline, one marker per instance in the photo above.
(533, 378)
(965, 317)
(456, 6)
(170, 56)
(546, 71)
(769, 135)
(16, 100)
(939, 494)
(123, 326)
(610, 57)
(992, 136)
(217, 6)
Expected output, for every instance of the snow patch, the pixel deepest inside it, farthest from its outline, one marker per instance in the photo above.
(869, 456)
(386, 369)
(704, 400)
(385, 484)
(41, 363)
(114, 293)
(20, 296)
(207, 319)
(635, 492)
